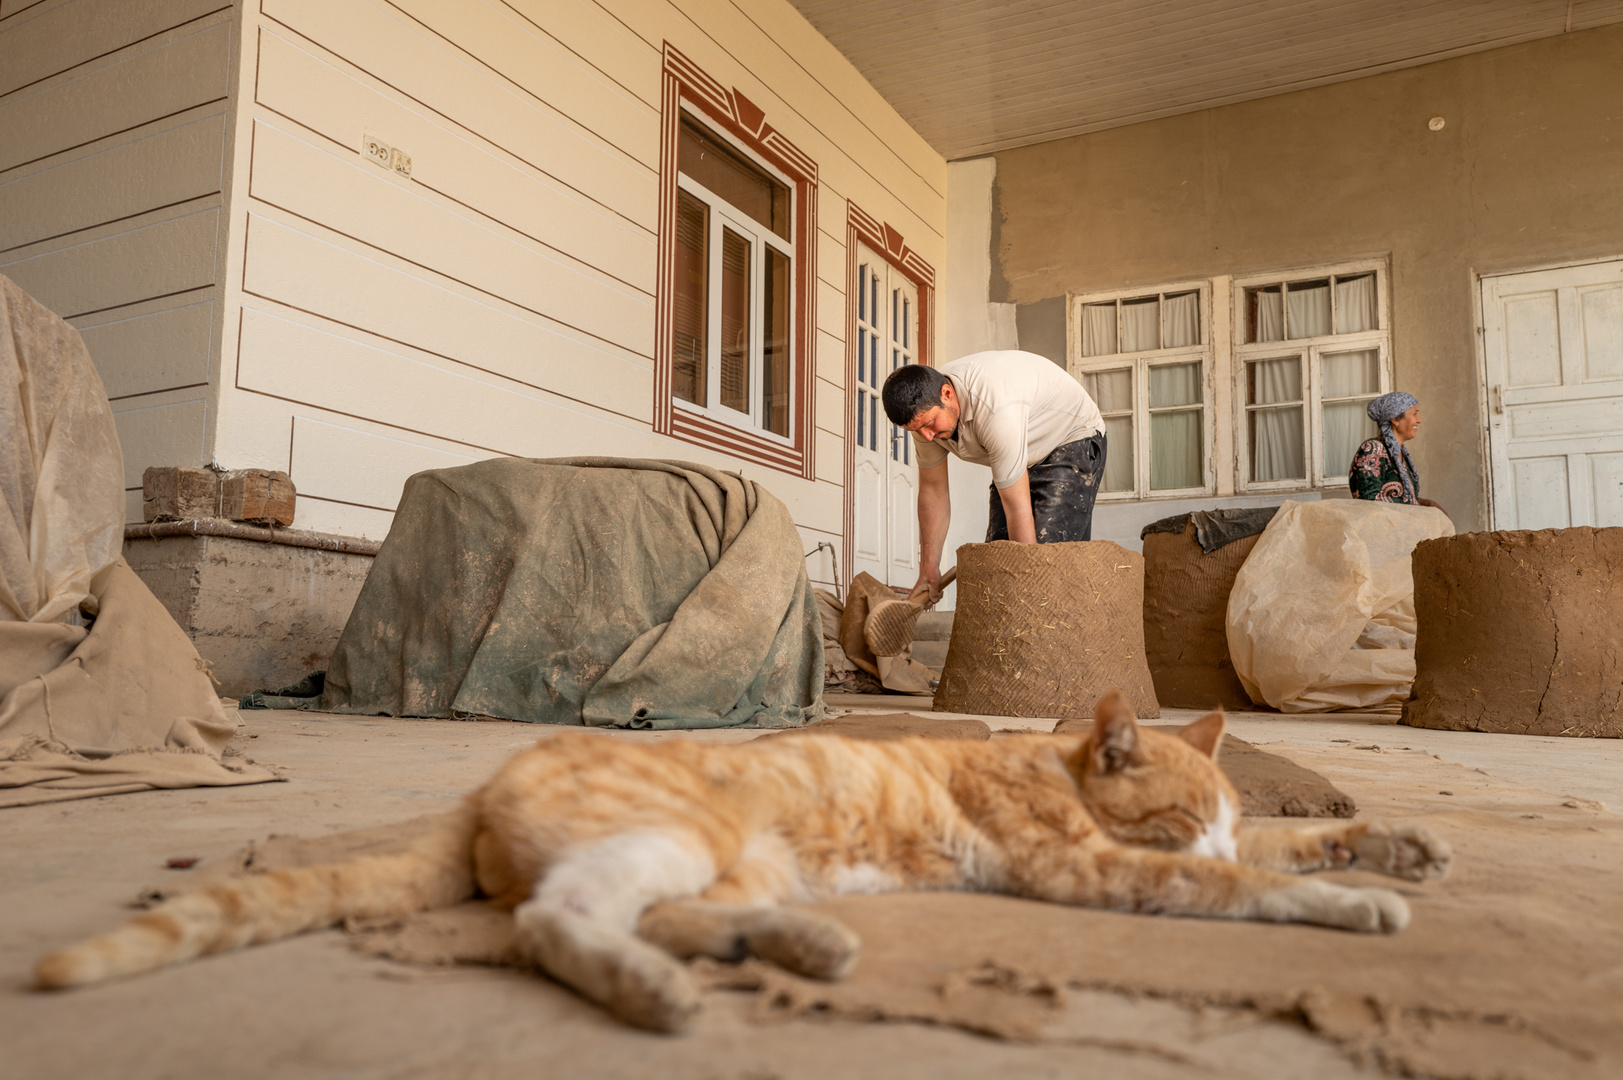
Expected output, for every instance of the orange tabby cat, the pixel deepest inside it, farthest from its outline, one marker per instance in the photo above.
(618, 856)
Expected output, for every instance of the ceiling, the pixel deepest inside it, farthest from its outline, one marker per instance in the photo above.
(975, 76)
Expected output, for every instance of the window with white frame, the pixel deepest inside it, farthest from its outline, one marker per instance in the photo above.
(1311, 351)
(1145, 359)
(734, 282)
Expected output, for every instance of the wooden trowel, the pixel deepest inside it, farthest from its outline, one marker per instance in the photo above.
(889, 628)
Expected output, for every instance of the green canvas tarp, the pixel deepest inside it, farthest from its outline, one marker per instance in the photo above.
(602, 591)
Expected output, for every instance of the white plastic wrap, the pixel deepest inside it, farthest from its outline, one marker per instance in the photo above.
(1322, 614)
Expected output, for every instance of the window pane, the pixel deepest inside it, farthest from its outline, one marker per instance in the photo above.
(1119, 454)
(1265, 313)
(1270, 381)
(1349, 373)
(1174, 384)
(1140, 325)
(1276, 444)
(735, 321)
(1112, 391)
(1346, 424)
(1355, 304)
(1180, 320)
(1307, 309)
(775, 350)
(1175, 449)
(691, 315)
(1099, 330)
(729, 174)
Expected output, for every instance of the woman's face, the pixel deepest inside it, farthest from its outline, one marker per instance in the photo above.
(1407, 426)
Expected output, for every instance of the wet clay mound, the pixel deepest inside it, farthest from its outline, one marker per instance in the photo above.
(1186, 603)
(893, 726)
(1269, 785)
(1046, 630)
(1520, 633)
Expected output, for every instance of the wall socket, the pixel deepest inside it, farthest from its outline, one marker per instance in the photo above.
(385, 156)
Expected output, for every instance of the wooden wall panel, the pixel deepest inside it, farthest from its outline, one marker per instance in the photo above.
(335, 103)
(72, 33)
(365, 291)
(153, 260)
(171, 434)
(144, 86)
(378, 208)
(169, 166)
(152, 351)
(830, 408)
(343, 464)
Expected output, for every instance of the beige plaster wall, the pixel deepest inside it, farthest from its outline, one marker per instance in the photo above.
(1528, 171)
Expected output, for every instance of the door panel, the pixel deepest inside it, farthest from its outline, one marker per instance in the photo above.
(1554, 350)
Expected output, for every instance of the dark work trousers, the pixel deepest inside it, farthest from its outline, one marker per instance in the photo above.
(1063, 487)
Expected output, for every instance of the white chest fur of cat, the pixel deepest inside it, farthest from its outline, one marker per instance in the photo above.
(619, 859)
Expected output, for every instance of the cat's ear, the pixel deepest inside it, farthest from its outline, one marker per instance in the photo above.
(1205, 734)
(1115, 735)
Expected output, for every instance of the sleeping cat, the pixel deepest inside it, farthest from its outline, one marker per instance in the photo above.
(618, 857)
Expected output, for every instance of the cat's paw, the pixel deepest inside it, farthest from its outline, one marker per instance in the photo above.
(805, 943)
(1410, 852)
(1369, 911)
(1375, 911)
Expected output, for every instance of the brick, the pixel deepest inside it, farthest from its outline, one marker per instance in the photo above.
(257, 496)
(178, 493)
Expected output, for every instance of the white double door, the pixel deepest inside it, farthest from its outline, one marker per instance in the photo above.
(885, 476)
(1554, 345)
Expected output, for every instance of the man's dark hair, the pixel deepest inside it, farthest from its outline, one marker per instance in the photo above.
(910, 390)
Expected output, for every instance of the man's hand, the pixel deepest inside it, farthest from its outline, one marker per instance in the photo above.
(1017, 510)
(929, 584)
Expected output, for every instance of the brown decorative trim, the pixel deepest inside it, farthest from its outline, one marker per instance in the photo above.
(740, 117)
(883, 238)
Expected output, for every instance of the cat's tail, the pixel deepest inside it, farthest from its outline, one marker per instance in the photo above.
(435, 871)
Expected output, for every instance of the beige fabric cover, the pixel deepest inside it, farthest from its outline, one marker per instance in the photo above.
(124, 705)
(1322, 615)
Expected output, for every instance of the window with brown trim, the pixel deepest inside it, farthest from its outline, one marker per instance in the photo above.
(733, 363)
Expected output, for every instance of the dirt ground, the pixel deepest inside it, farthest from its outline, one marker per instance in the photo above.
(313, 1007)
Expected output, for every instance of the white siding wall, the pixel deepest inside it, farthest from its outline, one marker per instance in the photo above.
(113, 119)
(500, 300)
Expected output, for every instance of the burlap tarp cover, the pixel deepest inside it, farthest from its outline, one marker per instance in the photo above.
(123, 704)
(1321, 616)
(600, 591)
(1047, 630)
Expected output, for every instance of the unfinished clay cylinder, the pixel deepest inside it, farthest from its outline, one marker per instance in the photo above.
(1186, 603)
(1519, 632)
(1046, 630)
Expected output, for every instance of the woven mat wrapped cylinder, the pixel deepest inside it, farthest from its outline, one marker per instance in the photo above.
(1518, 633)
(1186, 602)
(1046, 630)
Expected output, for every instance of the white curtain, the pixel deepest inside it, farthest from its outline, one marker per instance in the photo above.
(1355, 304)
(1175, 449)
(1307, 310)
(1119, 454)
(1350, 373)
(1346, 425)
(1180, 316)
(1098, 329)
(1174, 384)
(1277, 451)
(1140, 325)
(1112, 391)
(1270, 316)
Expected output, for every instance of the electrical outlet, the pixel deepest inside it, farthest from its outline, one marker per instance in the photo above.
(378, 151)
(401, 162)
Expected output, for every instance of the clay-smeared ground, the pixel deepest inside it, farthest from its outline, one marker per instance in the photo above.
(1538, 870)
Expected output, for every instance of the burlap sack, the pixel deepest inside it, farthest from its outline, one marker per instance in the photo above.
(1518, 633)
(1186, 602)
(1047, 630)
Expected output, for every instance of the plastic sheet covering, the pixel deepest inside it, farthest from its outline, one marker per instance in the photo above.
(1322, 614)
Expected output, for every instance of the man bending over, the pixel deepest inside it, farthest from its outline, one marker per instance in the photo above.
(1023, 416)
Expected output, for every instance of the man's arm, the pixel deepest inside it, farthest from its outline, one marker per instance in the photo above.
(1017, 510)
(935, 512)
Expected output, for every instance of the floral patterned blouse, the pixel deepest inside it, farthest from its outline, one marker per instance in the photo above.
(1375, 475)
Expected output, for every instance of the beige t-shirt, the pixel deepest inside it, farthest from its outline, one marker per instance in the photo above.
(1016, 408)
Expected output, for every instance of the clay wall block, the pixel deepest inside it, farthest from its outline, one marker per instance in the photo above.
(1186, 604)
(1520, 632)
(1046, 630)
(178, 493)
(258, 496)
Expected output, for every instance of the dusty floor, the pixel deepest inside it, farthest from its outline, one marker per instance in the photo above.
(314, 1008)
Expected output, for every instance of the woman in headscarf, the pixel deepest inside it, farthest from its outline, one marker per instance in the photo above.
(1382, 470)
